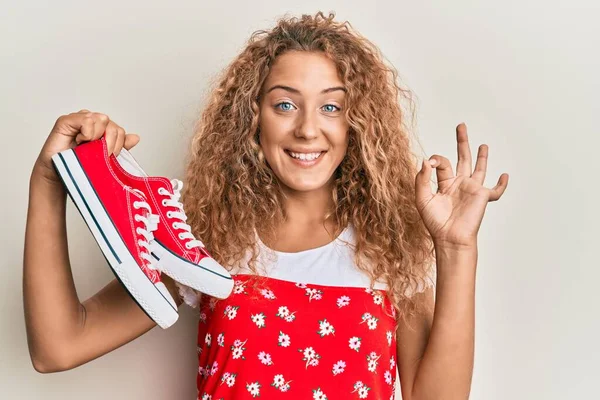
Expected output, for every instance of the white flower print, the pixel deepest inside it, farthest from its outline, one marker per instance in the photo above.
(212, 303)
(370, 320)
(310, 356)
(278, 380)
(268, 294)
(314, 294)
(202, 371)
(309, 352)
(325, 328)
(206, 396)
(372, 323)
(202, 317)
(388, 377)
(378, 299)
(221, 339)
(284, 340)
(237, 349)
(280, 383)
(290, 318)
(198, 349)
(301, 285)
(230, 381)
(207, 339)
(362, 389)
(258, 319)
(338, 367)
(239, 287)
(265, 358)
(369, 290)
(392, 363)
(318, 394)
(355, 343)
(372, 359)
(224, 377)
(214, 368)
(388, 336)
(363, 392)
(283, 312)
(343, 301)
(253, 389)
(230, 312)
(372, 365)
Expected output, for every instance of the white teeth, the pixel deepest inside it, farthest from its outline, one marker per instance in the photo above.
(305, 156)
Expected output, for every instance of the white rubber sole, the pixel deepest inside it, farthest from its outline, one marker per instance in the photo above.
(208, 277)
(159, 306)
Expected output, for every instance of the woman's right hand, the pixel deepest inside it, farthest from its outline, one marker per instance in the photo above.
(75, 128)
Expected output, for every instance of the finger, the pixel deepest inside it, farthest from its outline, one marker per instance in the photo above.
(423, 182)
(463, 167)
(497, 191)
(84, 111)
(131, 139)
(120, 140)
(86, 130)
(111, 137)
(100, 125)
(443, 168)
(481, 164)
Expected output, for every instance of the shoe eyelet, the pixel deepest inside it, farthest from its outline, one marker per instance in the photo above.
(168, 214)
(136, 205)
(137, 217)
(187, 245)
(164, 203)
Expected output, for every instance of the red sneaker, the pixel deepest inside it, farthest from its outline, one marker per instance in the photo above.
(179, 254)
(121, 221)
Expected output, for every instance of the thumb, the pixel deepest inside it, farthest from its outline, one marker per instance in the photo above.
(131, 139)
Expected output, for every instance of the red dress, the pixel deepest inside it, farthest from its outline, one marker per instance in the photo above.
(310, 329)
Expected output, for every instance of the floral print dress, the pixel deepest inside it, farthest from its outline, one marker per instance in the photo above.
(279, 336)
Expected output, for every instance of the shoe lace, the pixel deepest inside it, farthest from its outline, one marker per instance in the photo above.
(150, 222)
(179, 214)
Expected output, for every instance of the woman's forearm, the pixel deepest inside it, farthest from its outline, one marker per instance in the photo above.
(446, 369)
(52, 308)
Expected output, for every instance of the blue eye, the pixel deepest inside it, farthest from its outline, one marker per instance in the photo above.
(330, 108)
(284, 106)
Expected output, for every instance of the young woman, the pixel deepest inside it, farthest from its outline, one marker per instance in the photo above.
(300, 173)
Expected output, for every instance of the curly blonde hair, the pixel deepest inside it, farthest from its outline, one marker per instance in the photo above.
(231, 191)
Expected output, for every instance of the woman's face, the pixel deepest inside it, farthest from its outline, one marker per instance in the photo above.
(303, 130)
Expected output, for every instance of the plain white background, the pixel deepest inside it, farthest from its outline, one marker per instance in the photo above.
(522, 74)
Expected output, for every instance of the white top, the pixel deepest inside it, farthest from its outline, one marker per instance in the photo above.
(329, 265)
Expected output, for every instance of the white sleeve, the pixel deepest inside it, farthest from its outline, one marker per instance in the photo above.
(189, 295)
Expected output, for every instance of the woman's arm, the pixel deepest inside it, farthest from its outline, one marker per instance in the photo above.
(435, 359)
(63, 333)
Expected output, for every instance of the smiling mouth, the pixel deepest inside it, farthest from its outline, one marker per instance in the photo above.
(305, 156)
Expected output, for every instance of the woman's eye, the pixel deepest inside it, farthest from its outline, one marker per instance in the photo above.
(330, 108)
(285, 106)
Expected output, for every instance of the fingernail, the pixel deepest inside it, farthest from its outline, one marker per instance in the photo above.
(432, 162)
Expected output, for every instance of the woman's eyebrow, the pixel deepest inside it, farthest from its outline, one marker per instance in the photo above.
(293, 90)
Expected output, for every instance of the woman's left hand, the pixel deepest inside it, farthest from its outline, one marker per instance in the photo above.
(453, 215)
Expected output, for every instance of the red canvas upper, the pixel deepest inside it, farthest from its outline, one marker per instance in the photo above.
(165, 233)
(116, 197)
